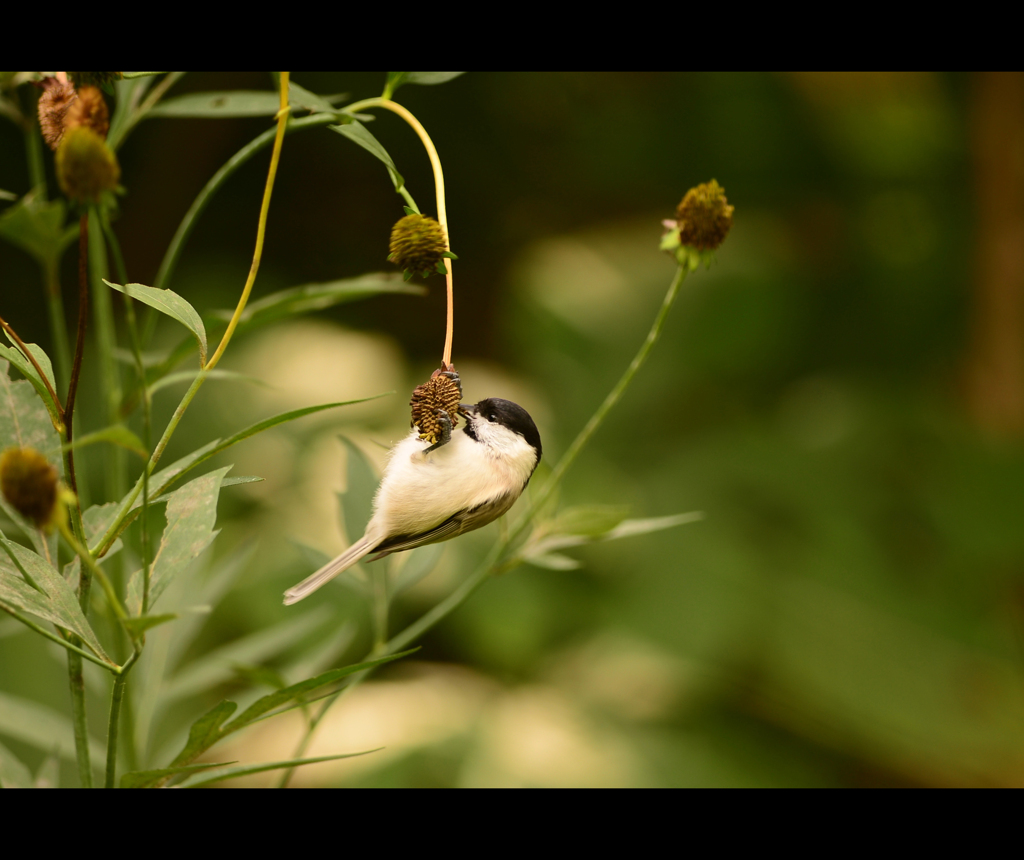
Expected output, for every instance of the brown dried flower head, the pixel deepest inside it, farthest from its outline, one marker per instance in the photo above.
(53, 105)
(89, 110)
(86, 166)
(418, 245)
(437, 393)
(29, 483)
(704, 217)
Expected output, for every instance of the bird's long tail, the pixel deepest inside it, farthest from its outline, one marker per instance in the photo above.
(330, 570)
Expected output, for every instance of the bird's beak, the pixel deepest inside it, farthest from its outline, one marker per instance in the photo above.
(467, 408)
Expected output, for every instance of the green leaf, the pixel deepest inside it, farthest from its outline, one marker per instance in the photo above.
(263, 706)
(317, 297)
(361, 482)
(118, 434)
(25, 423)
(418, 563)
(190, 375)
(245, 770)
(301, 97)
(357, 132)
(554, 561)
(7, 195)
(430, 78)
(41, 727)
(218, 665)
(205, 732)
(397, 79)
(592, 520)
(36, 225)
(14, 356)
(632, 528)
(191, 514)
(129, 75)
(139, 624)
(13, 774)
(55, 601)
(170, 303)
(220, 105)
(149, 778)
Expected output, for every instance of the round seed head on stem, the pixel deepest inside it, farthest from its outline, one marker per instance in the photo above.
(418, 245)
(438, 393)
(29, 483)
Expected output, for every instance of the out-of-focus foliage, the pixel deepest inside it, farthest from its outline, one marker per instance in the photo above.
(836, 394)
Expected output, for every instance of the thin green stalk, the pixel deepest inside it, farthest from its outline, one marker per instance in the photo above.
(58, 322)
(78, 718)
(34, 144)
(106, 344)
(87, 561)
(380, 606)
(120, 132)
(114, 719)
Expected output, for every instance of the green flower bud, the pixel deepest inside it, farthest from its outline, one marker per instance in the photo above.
(86, 166)
(418, 246)
(29, 483)
(704, 217)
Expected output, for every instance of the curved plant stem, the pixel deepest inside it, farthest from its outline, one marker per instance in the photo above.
(32, 360)
(76, 366)
(126, 503)
(114, 719)
(442, 216)
(261, 227)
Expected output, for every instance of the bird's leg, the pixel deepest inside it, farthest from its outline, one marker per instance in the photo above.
(446, 431)
(454, 377)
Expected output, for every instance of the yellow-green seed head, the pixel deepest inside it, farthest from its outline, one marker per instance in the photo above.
(418, 245)
(29, 483)
(86, 166)
(704, 217)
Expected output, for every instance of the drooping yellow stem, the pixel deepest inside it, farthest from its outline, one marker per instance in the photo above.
(261, 227)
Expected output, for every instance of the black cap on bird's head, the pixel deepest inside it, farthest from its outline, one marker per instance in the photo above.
(507, 414)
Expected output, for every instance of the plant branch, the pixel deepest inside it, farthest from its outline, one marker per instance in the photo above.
(76, 366)
(32, 359)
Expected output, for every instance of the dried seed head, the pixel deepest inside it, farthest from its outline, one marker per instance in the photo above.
(704, 217)
(86, 166)
(29, 483)
(89, 110)
(418, 245)
(94, 79)
(53, 104)
(437, 393)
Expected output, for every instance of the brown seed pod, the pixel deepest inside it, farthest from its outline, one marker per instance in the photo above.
(90, 110)
(53, 105)
(438, 393)
(29, 483)
(704, 217)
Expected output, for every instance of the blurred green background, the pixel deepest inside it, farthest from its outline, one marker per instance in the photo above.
(841, 394)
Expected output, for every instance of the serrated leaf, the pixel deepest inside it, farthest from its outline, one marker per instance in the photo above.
(358, 133)
(191, 514)
(149, 778)
(271, 701)
(55, 601)
(36, 225)
(204, 733)
(14, 356)
(245, 770)
(220, 105)
(170, 303)
(117, 434)
(139, 624)
(41, 727)
(317, 297)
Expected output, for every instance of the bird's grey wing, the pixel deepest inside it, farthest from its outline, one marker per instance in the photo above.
(459, 523)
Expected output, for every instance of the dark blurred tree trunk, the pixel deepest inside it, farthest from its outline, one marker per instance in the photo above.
(995, 363)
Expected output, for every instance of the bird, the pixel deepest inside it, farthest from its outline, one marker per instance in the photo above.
(432, 493)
